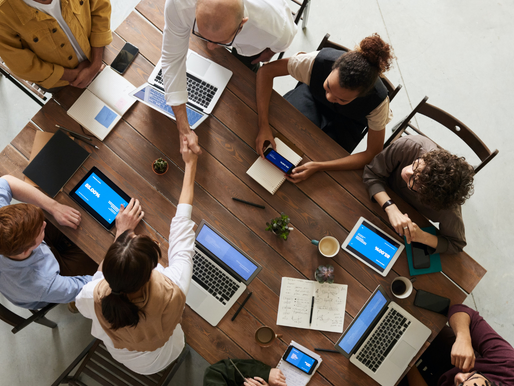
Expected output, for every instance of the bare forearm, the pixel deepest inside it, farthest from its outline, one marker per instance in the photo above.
(352, 162)
(24, 192)
(180, 112)
(188, 185)
(96, 57)
(264, 87)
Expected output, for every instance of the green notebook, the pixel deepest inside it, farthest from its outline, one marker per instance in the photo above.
(435, 259)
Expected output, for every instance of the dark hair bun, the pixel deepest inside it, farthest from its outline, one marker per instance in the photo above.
(377, 52)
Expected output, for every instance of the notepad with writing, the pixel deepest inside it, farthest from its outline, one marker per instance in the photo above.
(294, 309)
(268, 175)
(294, 376)
(103, 103)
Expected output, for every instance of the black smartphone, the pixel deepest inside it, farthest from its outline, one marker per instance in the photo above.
(420, 255)
(126, 56)
(432, 302)
(279, 161)
(300, 360)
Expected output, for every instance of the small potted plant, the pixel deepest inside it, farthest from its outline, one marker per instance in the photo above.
(160, 166)
(279, 226)
(324, 274)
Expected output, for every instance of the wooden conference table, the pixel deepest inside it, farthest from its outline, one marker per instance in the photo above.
(326, 204)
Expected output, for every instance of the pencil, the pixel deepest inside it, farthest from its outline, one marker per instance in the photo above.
(326, 350)
(312, 309)
(73, 133)
(248, 203)
(241, 306)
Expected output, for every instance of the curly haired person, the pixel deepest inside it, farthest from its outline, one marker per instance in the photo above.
(432, 180)
(340, 92)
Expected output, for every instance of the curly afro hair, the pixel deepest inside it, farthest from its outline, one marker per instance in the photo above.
(446, 180)
(359, 69)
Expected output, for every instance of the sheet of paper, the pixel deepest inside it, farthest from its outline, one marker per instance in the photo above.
(294, 376)
(329, 307)
(294, 308)
(113, 89)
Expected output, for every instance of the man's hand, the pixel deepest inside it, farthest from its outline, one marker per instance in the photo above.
(276, 378)
(192, 142)
(265, 135)
(301, 173)
(400, 222)
(66, 216)
(188, 155)
(86, 74)
(265, 56)
(463, 355)
(129, 217)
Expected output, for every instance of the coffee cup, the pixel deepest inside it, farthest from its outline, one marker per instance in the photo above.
(328, 246)
(265, 335)
(401, 287)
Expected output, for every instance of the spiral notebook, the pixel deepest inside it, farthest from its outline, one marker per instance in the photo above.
(269, 176)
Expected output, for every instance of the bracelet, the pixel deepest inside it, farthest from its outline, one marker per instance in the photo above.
(386, 204)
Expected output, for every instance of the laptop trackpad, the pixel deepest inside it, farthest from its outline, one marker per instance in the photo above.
(197, 65)
(402, 354)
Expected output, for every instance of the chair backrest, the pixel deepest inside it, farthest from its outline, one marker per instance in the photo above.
(391, 90)
(29, 88)
(20, 323)
(303, 12)
(451, 123)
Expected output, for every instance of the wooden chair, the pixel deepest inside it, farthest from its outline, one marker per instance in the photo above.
(100, 366)
(450, 122)
(20, 323)
(302, 13)
(29, 88)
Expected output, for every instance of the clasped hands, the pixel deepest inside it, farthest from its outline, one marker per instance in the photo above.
(403, 225)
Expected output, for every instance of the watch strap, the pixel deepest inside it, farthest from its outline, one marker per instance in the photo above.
(387, 203)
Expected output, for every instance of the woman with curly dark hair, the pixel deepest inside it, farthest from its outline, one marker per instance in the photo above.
(341, 92)
(432, 180)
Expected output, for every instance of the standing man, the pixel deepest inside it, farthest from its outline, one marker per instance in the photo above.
(54, 42)
(256, 29)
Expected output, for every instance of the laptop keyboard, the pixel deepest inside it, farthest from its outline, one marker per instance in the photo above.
(383, 340)
(213, 279)
(198, 91)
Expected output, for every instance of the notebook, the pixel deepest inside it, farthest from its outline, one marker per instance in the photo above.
(383, 339)
(268, 175)
(298, 297)
(294, 376)
(56, 163)
(103, 103)
(221, 273)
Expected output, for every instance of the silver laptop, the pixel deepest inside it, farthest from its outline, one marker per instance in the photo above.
(383, 339)
(221, 273)
(206, 81)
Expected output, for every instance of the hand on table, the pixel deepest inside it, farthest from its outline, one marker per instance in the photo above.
(86, 74)
(301, 173)
(276, 378)
(265, 56)
(129, 217)
(66, 215)
(192, 142)
(265, 135)
(463, 355)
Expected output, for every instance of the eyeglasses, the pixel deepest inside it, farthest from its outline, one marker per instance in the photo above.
(197, 34)
(471, 376)
(414, 177)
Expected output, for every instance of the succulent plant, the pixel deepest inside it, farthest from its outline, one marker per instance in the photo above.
(160, 165)
(279, 226)
(325, 274)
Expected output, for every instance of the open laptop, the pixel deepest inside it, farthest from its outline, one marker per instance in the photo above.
(221, 273)
(383, 339)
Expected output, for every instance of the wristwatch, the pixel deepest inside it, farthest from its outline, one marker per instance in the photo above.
(386, 204)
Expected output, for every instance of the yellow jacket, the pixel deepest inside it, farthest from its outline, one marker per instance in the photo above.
(36, 49)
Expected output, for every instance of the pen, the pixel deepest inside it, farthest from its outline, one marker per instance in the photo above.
(241, 306)
(233, 364)
(248, 203)
(76, 135)
(312, 309)
(326, 350)
(83, 140)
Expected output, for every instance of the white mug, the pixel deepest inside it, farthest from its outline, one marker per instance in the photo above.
(328, 246)
(401, 287)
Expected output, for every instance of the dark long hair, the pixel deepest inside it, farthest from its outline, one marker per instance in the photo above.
(127, 266)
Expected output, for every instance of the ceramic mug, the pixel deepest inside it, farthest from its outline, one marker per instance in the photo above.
(264, 336)
(401, 287)
(328, 246)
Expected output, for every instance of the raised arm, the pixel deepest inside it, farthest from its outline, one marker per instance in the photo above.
(188, 186)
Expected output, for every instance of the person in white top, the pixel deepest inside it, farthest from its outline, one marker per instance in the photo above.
(251, 27)
(135, 303)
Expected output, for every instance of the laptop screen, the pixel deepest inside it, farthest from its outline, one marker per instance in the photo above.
(362, 322)
(238, 262)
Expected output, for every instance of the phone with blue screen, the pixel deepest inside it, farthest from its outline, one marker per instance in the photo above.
(300, 360)
(279, 161)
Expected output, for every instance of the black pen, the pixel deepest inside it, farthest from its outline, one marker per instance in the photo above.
(83, 140)
(73, 134)
(312, 309)
(241, 306)
(326, 350)
(248, 203)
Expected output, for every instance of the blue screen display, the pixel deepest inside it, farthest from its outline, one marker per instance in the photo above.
(156, 99)
(279, 161)
(101, 197)
(300, 360)
(226, 252)
(363, 321)
(372, 246)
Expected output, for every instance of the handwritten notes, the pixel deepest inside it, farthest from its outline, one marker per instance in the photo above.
(294, 309)
(295, 377)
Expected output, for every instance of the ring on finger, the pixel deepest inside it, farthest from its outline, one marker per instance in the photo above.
(405, 227)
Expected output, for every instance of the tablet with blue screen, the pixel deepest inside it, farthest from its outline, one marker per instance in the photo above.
(100, 197)
(372, 246)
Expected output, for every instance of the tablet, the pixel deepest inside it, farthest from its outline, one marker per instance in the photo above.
(372, 246)
(100, 197)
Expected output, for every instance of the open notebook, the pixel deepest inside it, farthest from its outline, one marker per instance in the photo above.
(103, 103)
(267, 174)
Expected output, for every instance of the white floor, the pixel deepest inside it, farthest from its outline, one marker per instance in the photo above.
(458, 53)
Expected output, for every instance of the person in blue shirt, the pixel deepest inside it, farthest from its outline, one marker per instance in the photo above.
(38, 269)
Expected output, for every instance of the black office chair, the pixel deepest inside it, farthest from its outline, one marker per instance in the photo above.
(301, 14)
(20, 323)
(100, 366)
(30, 89)
(450, 122)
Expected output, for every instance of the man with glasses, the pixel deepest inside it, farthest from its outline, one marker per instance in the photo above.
(432, 180)
(255, 29)
(468, 353)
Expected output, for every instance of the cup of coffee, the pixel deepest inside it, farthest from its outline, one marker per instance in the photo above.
(328, 246)
(265, 335)
(401, 287)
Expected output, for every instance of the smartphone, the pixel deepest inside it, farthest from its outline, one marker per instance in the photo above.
(279, 161)
(420, 255)
(300, 360)
(432, 302)
(126, 56)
